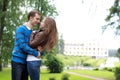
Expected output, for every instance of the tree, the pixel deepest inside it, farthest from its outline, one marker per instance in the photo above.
(114, 13)
(13, 13)
(118, 53)
(3, 9)
(117, 73)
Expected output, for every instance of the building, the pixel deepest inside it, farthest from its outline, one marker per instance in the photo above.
(85, 48)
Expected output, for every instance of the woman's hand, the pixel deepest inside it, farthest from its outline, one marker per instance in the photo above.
(34, 32)
(40, 49)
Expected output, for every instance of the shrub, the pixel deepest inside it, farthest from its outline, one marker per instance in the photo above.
(53, 64)
(52, 78)
(86, 64)
(96, 69)
(117, 73)
(105, 68)
(109, 69)
(65, 77)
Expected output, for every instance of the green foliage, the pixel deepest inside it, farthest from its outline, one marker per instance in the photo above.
(65, 77)
(109, 69)
(48, 10)
(118, 53)
(52, 78)
(96, 69)
(114, 12)
(54, 65)
(117, 73)
(86, 64)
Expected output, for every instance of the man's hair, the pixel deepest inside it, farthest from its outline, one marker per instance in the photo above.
(32, 13)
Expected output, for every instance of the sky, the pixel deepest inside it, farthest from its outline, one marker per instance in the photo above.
(82, 20)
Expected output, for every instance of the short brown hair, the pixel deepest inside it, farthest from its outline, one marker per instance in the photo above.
(32, 13)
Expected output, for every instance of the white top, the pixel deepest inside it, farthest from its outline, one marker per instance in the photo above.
(31, 57)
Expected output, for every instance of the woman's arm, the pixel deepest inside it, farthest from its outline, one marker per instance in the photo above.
(36, 39)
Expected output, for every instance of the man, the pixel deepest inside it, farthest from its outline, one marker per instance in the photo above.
(22, 49)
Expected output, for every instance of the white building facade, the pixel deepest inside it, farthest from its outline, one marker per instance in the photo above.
(85, 48)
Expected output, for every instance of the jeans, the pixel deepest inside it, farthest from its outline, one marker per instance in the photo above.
(19, 71)
(34, 69)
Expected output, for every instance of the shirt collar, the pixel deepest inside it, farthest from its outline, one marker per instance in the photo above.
(29, 27)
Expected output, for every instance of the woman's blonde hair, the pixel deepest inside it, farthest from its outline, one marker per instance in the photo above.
(52, 32)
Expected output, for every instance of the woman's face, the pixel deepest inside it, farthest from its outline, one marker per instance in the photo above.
(42, 25)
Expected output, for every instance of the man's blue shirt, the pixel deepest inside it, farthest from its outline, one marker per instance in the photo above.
(21, 47)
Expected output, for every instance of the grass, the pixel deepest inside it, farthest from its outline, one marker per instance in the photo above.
(102, 74)
(6, 75)
(46, 76)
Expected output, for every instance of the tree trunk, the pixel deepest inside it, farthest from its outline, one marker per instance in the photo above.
(2, 24)
(0, 59)
(1, 32)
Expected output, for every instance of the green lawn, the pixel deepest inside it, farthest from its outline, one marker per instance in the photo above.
(102, 74)
(6, 75)
(47, 76)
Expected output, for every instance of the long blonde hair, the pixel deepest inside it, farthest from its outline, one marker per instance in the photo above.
(52, 33)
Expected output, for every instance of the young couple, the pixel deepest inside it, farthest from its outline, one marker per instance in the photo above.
(30, 45)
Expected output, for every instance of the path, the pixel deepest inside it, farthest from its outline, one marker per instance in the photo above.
(87, 76)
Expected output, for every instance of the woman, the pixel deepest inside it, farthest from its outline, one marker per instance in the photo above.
(46, 38)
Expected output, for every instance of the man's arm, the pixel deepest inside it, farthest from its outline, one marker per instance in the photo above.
(20, 38)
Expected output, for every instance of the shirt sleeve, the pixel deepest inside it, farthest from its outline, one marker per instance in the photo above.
(37, 39)
(21, 42)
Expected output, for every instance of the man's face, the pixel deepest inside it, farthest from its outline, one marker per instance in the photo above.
(35, 20)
